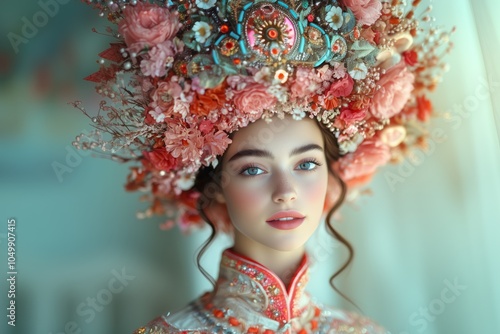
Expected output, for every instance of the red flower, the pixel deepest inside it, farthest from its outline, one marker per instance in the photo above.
(148, 119)
(159, 159)
(410, 57)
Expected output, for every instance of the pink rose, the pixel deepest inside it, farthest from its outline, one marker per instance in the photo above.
(159, 58)
(342, 87)
(365, 11)
(253, 98)
(146, 25)
(363, 162)
(163, 97)
(350, 116)
(160, 159)
(396, 87)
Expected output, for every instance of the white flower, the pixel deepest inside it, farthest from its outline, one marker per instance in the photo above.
(263, 75)
(298, 114)
(334, 18)
(359, 71)
(205, 4)
(157, 114)
(185, 181)
(338, 70)
(349, 146)
(202, 31)
(281, 76)
(279, 92)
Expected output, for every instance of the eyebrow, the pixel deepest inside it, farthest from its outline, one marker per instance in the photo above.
(267, 154)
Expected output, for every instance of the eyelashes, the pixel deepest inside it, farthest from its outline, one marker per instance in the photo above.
(252, 169)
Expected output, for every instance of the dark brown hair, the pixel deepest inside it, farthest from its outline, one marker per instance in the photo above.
(208, 181)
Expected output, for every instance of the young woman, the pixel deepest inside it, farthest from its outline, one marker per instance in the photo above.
(274, 191)
(256, 118)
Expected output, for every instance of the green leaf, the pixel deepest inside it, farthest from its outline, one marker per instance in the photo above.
(362, 48)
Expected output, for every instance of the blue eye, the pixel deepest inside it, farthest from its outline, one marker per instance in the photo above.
(252, 171)
(308, 165)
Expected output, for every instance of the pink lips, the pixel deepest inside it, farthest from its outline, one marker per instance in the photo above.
(286, 220)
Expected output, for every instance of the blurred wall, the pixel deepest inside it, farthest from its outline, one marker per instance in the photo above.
(85, 264)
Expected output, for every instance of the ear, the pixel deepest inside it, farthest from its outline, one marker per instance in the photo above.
(219, 197)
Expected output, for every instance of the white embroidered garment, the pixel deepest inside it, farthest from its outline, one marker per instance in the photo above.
(249, 298)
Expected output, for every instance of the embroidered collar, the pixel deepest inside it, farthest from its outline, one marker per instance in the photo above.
(263, 289)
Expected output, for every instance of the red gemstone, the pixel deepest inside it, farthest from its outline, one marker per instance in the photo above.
(274, 51)
(233, 321)
(218, 314)
(183, 68)
(272, 33)
(224, 29)
(229, 45)
(310, 17)
(236, 61)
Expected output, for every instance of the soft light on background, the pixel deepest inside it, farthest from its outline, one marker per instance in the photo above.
(426, 244)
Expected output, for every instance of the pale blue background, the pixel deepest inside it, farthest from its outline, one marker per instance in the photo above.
(441, 224)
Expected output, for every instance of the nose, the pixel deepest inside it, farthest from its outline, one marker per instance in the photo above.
(284, 189)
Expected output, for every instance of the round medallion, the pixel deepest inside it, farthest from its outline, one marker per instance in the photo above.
(269, 31)
(314, 36)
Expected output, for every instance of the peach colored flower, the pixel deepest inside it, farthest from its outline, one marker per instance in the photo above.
(184, 143)
(210, 99)
(215, 143)
(369, 155)
(146, 25)
(396, 87)
(342, 87)
(253, 98)
(365, 11)
(424, 108)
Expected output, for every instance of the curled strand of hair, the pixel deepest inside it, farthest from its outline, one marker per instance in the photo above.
(205, 245)
(339, 237)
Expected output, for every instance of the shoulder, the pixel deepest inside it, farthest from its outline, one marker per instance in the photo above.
(350, 322)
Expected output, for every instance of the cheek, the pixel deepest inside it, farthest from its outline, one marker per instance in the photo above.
(241, 198)
(315, 191)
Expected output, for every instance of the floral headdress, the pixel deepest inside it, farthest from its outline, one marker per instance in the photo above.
(183, 75)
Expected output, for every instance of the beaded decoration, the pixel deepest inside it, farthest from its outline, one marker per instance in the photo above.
(185, 74)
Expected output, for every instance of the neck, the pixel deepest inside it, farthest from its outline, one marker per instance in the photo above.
(281, 263)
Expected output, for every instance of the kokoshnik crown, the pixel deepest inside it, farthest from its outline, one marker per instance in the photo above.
(183, 75)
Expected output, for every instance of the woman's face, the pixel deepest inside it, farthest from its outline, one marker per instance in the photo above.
(274, 182)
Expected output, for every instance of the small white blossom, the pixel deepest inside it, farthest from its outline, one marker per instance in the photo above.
(205, 4)
(298, 114)
(157, 114)
(359, 71)
(334, 18)
(202, 31)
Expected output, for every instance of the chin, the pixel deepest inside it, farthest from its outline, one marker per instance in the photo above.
(287, 243)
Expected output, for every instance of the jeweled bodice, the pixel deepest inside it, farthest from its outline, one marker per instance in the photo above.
(249, 298)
